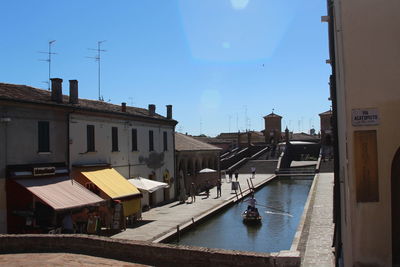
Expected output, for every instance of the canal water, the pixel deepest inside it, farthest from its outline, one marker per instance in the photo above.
(226, 229)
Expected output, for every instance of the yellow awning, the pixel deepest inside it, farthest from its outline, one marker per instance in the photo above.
(131, 206)
(111, 183)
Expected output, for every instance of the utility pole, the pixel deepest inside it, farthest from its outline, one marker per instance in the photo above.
(229, 125)
(49, 53)
(237, 121)
(98, 59)
(246, 119)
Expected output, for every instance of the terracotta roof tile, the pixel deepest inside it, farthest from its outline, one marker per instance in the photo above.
(272, 115)
(211, 140)
(25, 93)
(188, 143)
(329, 112)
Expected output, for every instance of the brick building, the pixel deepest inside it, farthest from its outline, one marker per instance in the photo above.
(273, 128)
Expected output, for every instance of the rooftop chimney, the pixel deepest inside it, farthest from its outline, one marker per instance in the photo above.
(56, 90)
(73, 92)
(152, 109)
(169, 111)
(123, 107)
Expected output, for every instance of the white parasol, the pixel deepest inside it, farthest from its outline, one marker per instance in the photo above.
(147, 185)
(207, 170)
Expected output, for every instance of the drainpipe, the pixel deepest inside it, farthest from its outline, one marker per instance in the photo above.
(68, 156)
(176, 181)
(68, 142)
(129, 132)
(337, 242)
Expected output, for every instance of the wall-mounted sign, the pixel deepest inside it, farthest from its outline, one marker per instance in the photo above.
(42, 171)
(365, 117)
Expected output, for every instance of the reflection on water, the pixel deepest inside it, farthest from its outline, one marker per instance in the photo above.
(226, 229)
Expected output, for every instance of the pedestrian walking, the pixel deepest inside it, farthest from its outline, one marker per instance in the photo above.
(192, 191)
(208, 186)
(219, 184)
(253, 172)
(236, 176)
(230, 176)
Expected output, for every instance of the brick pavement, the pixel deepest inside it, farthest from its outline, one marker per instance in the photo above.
(59, 259)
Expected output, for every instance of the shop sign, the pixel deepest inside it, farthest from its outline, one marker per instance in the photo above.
(365, 117)
(167, 177)
(43, 171)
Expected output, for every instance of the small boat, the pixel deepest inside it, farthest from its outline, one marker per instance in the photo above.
(251, 216)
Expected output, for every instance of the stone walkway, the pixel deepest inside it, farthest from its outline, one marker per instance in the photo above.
(318, 250)
(160, 222)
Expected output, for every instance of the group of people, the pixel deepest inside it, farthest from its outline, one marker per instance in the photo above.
(230, 174)
(253, 174)
(208, 186)
(91, 220)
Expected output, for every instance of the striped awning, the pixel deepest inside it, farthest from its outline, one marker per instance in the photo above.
(60, 193)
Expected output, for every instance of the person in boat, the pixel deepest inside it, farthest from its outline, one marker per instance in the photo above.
(252, 203)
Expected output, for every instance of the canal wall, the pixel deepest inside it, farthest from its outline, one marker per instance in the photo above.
(184, 227)
(301, 235)
(142, 252)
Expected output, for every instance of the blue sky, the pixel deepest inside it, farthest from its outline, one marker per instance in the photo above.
(222, 64)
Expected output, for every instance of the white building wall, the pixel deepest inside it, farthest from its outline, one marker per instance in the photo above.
(367, 42)
(127, 162)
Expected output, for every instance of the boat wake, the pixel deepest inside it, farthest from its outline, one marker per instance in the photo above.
(278, 213)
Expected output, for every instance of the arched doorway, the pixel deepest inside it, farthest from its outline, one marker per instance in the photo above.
(396, 209)
(203, 163)
(190, 169)
(197, 167)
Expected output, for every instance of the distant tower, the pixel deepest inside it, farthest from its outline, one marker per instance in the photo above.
(273, 126)
(326, 127)
(287, 136)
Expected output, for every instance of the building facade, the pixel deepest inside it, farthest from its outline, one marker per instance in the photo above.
(29, 134)
(365, 58)
(45, 127)
(192, 156)
(133, 148)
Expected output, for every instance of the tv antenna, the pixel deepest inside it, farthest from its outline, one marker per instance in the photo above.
(230, 117)
(98, 59)
(237, 121)
(49, 53)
